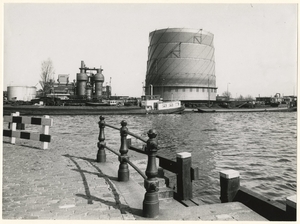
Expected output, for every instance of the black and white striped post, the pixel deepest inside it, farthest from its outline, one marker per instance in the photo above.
(45, 131)
(13, 127)
(123, 172)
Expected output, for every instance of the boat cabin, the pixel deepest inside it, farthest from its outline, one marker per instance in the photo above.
(154, 102)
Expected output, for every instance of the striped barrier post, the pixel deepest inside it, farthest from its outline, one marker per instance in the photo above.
(43, 137)
(19, 126)
(46, 131)
(13, 127)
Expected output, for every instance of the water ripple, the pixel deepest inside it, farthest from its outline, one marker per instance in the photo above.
(261, 146)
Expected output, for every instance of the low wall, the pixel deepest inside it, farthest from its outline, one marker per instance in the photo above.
(271, 210)
(274, 211)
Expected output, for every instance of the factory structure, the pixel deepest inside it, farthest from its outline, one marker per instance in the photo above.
(90, 83)
(181, 65)
(88, 86)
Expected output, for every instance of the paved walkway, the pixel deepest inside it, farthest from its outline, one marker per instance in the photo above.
(65, 183)
(46, 184)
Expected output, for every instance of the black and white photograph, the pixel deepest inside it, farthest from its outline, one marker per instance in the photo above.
(149, 111)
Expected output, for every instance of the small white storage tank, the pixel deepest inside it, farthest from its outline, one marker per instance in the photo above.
(24, 93)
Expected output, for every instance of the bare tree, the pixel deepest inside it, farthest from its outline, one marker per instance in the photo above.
(241, 98)
(227, 94)
(47, 76)
(249, 98)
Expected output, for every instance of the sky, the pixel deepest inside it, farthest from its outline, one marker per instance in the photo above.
(255, 44)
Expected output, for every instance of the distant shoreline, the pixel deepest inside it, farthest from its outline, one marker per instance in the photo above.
(74, 110)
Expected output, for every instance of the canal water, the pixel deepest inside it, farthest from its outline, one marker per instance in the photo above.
(261, 146)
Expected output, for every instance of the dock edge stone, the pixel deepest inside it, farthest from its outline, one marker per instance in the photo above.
(292, 201)
(183, 155)
(229, 174)
(291, 208)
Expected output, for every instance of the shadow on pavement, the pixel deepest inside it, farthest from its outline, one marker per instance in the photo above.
(123, 208)
(116, 204)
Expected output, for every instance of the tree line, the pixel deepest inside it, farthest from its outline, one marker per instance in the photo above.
(227, 94)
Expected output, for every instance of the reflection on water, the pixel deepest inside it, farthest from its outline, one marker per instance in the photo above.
(261, 146)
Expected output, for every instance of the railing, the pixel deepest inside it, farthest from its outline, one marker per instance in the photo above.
(185, 174)
(182, 167)
(151, 202)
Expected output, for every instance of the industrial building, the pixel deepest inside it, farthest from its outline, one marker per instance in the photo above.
(181, 65)
(88, 85)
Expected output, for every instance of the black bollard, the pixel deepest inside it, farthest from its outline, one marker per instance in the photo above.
(123, 172)
(184, 182)
(151, 202)
(101, 156)
(230, 184)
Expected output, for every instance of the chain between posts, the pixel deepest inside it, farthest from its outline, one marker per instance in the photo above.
(151, 202)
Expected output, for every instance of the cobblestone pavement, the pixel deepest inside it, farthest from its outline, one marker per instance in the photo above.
(65, 182)
(55, 184)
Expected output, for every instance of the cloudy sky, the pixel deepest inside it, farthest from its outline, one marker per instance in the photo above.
(255, 44)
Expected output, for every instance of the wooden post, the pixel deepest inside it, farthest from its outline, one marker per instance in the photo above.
(184, 182)
(151, 202)
(13, 127)
(101, 155)
(230, 184)
(45, 131)
(291, 208)
(123, 172)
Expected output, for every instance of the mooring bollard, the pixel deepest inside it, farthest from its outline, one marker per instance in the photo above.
(151, 202)
(230, 184)
(101, 156)
(184, 182)
(123, 172)
(291, 208)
